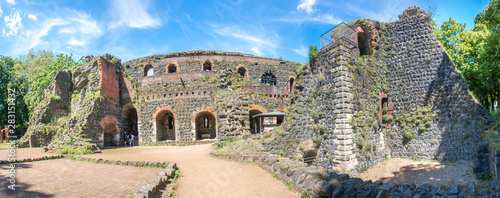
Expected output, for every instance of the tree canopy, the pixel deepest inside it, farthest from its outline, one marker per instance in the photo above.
(29, 76)
(476, 52)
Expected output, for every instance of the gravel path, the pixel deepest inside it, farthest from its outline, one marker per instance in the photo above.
(203, 175)
(405, 171)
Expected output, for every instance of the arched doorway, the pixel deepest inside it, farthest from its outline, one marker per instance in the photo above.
(242, 72)
(129, 121)
(149, 70)
(165, 126)
(109, 132)
(254, 128)
(205, 126)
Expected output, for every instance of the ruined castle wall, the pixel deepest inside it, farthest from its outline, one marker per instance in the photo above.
(424, 78)
(320, 112)
(59, 97)
(184, 111)
(190, 65)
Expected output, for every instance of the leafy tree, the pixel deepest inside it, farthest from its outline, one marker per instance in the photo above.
(35, 71)
(476, 52)
(313, 51)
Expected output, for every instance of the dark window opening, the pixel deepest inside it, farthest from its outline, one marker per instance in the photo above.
(363, 44)
(292, 80)
(242, 71)
(172, 69)
(268, 78)
(206, 123)
(207, 66)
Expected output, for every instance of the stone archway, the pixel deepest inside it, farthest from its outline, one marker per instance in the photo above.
(205, 126)
(110, 132)
(165, 123)
(130, 120)
(254, 110)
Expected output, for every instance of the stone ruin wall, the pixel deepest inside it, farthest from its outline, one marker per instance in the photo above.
(407, 66)
(198, 91)
(423, 76)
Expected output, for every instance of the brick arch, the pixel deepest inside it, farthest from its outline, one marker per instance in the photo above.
(209, 62)
(166, 108)
(202, 110)
(109, 119)
(257, 107)
(280, 109)
(247, 75)
(177, 68)
(145, 67)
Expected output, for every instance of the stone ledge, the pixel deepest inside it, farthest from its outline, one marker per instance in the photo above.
(318, 182)
(34, 159)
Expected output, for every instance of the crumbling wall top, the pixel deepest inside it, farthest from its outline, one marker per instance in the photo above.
(415, 11)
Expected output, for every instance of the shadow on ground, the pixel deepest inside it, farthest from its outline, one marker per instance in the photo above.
(20, 187)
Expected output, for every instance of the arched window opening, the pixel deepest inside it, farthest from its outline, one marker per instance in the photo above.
(149, 70)
(363, 44)
(172, 68)
(242, 71)
(268, 78)
(292, 80)
(207, 66)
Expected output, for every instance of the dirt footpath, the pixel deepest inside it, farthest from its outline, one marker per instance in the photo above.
(405, 171)
(203, 175)
(69, 178)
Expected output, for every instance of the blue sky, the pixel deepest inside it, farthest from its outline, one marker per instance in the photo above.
(135, 28)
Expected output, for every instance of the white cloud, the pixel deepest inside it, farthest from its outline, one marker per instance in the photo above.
(258, 40)
(386, 12)
(14, 22)
(302, 51)
(134, 13)
(307, 6)
(72, 31)
(321, 18)
(13, 2)
(257, 51)
(1, 12)
(32, 17)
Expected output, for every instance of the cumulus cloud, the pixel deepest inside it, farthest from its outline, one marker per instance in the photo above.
(307, 5)
(32, 17)
(14, 23)
(134, 13)
(13, 2)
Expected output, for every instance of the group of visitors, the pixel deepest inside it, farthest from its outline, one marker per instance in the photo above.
(129, 138)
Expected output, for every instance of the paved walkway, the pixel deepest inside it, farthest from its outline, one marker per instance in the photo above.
(203, 175)
(69, 178)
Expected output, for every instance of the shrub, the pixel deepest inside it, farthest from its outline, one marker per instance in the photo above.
(408, 134)
(359, 145)
(387, 118)
(316, 115)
